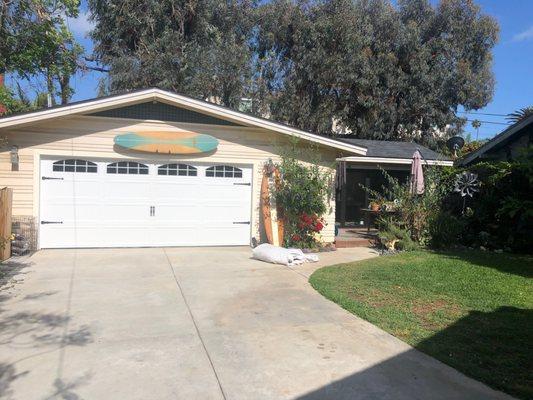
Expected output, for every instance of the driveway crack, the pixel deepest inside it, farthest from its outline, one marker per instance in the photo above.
(195, 325)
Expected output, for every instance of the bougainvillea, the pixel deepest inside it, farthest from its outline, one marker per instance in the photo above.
(303, 194)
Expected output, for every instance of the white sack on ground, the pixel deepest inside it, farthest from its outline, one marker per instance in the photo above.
(279, 255)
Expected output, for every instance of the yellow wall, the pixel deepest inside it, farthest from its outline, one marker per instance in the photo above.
(83, 136)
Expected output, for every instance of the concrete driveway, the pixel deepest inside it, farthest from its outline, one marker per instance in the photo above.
(202, 323)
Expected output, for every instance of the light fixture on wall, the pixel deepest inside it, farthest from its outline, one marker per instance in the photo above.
(14, 157)
(269, 165)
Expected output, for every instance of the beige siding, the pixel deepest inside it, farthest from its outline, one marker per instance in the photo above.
(93, 137)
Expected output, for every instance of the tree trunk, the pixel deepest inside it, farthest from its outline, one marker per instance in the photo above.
(50, 89)
(64, 81)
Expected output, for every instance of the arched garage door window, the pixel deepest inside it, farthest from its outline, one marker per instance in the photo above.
(223, 171)
(177, 169)
(74, 166)
(127, 167)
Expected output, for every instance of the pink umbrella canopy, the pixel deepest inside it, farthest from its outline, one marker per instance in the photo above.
(417, 175)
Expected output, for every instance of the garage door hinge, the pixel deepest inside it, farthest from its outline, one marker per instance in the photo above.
(44, 178)
(51, 222)
(242, 222)
(243, 184)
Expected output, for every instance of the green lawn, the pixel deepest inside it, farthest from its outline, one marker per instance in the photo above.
(472, 310)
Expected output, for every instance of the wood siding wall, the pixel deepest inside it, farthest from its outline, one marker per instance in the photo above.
(92, 137)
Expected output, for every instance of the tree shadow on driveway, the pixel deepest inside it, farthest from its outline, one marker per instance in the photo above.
(463, 346)
(27, 332)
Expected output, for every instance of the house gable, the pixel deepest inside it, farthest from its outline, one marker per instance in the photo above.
(161, 112)
(215, 111)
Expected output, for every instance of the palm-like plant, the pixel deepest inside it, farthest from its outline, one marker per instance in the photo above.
(519, 115)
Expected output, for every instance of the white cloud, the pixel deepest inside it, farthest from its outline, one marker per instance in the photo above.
(81, 25)
(526, 35)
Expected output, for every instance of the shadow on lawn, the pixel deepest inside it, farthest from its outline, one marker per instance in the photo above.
(493, 347)
(510, 263)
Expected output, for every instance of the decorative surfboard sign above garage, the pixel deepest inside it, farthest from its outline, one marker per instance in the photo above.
(167, 142)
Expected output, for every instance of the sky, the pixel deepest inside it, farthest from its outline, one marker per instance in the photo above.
(513, 64)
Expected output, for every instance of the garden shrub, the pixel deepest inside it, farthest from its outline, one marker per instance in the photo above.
(498, 216)
(395, 238)
(501, 214)
(445, 230)
(302, 193)
(414, 213)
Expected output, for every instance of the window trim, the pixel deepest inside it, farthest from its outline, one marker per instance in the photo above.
(189, 170)
(223, 171)
(78, 165)
(129, 168)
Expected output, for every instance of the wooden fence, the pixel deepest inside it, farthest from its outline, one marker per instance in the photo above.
(6, 198)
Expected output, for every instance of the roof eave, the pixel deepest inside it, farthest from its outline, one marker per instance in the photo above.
(403, 161)
(506, 134)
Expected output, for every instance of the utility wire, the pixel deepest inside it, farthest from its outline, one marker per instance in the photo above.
(481, 113)
(490, 122)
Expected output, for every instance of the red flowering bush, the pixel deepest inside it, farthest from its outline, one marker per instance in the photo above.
(302, 192)
(310, 223)
(306, 228)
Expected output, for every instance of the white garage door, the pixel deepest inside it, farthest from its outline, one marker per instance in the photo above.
(86, 203)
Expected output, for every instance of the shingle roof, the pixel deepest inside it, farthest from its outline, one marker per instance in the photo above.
(394, 149)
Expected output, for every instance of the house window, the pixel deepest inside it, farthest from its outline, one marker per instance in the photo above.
(177, 169)
(127, 167)
(223, 171)
(74, 166)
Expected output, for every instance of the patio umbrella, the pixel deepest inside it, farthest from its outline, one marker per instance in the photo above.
(417, 175)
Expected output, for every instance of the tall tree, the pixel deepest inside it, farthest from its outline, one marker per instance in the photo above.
(197, 47)
(37, 43)
(382, 71)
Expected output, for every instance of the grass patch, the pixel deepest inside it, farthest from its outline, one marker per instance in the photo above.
(472, 310)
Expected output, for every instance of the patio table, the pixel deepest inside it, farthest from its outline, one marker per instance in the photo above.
(369, 213)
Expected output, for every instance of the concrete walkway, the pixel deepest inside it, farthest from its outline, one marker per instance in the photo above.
(202, 323)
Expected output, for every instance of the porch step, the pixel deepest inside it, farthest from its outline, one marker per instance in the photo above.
(341, 243)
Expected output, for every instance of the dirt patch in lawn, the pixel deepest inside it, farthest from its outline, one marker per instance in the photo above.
(436, 314)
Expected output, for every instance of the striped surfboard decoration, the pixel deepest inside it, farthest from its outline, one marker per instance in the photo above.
(167, 142)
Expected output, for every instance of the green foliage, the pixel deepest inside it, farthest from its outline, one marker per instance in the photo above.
(303, 193)
(395, 238)
(470, 146)
(445, 230)
(503, 209)
(414, 213)
(200, 48)
(519, 115)
(383, 70)
(36, 42)
(9, 104)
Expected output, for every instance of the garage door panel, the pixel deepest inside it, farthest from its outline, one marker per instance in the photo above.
(102, 209)
(134, 191)
(71, 236)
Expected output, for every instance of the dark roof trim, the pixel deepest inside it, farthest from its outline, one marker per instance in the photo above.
(501, 137)
(394, 149)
